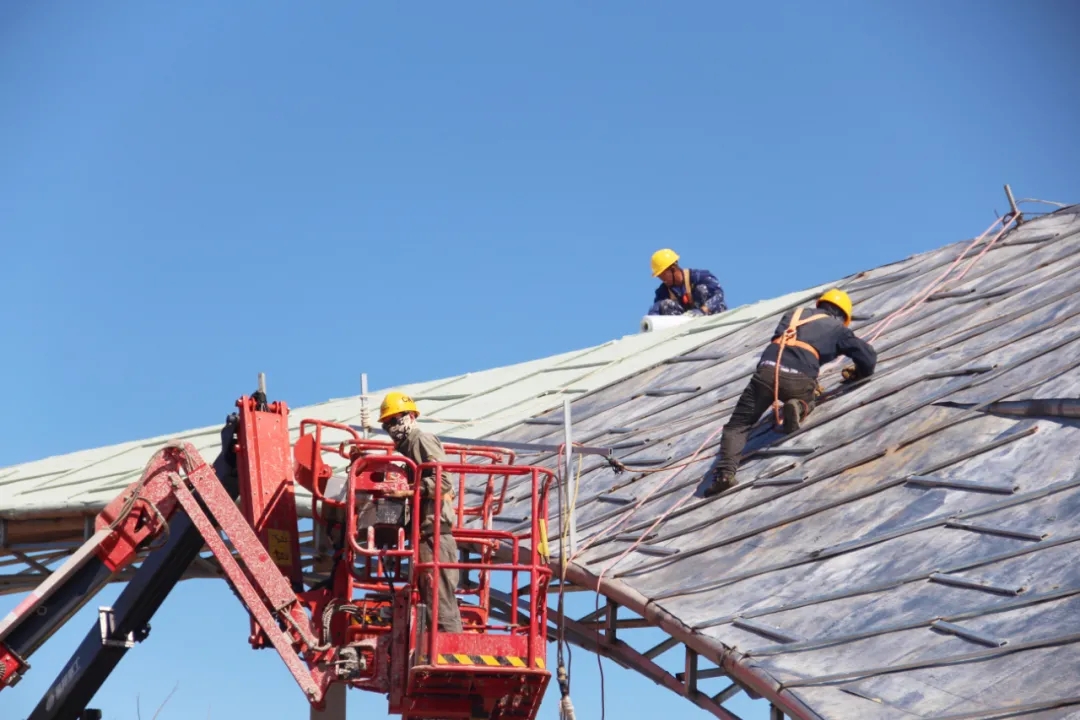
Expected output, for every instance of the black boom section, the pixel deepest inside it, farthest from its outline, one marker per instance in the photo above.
(107, 642)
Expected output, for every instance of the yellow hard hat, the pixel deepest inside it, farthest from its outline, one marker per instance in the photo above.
(394, 403)
(840, 299)
(662, 260)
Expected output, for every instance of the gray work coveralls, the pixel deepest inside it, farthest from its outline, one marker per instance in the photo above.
(422, 447)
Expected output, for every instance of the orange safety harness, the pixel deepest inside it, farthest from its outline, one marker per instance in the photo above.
(790, 337)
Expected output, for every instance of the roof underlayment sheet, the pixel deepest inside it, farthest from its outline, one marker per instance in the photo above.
(910, 551)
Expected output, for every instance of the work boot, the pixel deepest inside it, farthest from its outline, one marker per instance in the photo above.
(721, 482)
(794, 412)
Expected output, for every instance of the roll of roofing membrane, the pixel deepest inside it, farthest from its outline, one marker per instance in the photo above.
(652, 323)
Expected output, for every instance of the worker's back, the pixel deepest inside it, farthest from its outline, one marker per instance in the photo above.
(829, 337)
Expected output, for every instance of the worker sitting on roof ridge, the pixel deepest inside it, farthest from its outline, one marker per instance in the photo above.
(682, 290)
(787, 374)
(397, 415)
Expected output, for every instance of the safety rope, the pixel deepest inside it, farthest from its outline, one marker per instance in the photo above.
(678, 468)
(921, 297)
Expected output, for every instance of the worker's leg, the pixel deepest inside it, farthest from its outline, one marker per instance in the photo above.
(712, 303)
(756, 399)
(667, 307)
(449, 613)
(797, 392)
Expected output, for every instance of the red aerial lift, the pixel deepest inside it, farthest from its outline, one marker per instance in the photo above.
(363, 626)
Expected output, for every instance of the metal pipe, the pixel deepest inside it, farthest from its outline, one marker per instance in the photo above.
(365, 419)
(570, 483)
(932, 481)
(769, 631)
(963, 582)
(1035, 407)
(968, 634)
(1012, 205)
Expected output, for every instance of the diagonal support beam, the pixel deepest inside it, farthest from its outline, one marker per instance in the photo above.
(662, 648)
(618, 652)
(727, 693)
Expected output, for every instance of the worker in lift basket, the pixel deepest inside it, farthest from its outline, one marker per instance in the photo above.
(682, 290)
(397, 415)
(813, 337)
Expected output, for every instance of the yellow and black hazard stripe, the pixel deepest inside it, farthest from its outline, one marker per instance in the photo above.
(486, 660)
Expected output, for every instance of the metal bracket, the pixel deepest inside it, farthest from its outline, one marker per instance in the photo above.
(107, 623)
(968, 634)
(769, 631)
(932, 481)
(690, 683)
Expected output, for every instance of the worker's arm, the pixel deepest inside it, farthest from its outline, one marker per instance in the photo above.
(861, 353)
(659, 296)
(705, 283)
(431, 450)
(654, 310)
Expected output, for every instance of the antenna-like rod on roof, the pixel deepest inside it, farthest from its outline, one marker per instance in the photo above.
(1012, 205)
(570, 482)
(365, 420)
(262, 383)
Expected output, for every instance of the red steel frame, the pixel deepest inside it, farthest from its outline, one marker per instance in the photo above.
(429, 688)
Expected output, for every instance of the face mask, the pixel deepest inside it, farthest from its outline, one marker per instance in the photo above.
(398, 427)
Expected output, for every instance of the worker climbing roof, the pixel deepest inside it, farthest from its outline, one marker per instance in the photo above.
(789, 382)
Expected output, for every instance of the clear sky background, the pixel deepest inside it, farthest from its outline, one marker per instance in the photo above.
(193, 192)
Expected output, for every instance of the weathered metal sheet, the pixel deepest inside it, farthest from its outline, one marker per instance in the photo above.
(872, 573)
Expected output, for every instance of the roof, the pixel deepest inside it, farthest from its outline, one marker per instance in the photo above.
(475, 405)
(909, 551)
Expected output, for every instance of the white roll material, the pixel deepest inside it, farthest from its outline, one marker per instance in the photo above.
(651, 323)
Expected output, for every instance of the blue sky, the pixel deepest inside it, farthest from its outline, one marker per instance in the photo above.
(191, 193)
